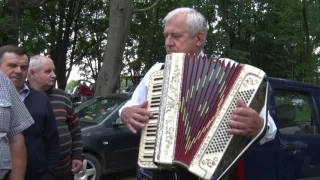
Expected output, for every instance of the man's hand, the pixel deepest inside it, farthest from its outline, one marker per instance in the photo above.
(245, 121)
(135, 116)
(76, 166)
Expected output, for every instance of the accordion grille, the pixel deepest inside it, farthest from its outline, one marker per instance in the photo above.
(205, 84)
(221, 138)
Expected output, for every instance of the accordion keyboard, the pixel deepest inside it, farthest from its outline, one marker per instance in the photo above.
(148, 134)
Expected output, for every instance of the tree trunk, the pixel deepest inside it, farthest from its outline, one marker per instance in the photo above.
(308, 49)
(14, 12)
(59, 52)
(119, 25)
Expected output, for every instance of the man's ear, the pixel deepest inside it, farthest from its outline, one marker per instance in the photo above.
(200, 37)
(31, 73)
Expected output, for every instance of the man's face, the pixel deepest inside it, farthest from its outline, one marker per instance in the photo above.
(16, 68)
(178, 39)
(46, 76)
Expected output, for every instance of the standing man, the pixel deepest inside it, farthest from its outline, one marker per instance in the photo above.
(14, 118)
(84, 92)
(185, 31)
(41, 76)
(42, 139)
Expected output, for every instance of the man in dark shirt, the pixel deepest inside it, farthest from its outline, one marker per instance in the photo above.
(41, 76)
(42, 139)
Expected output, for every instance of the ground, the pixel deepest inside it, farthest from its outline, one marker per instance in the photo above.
(127, 175)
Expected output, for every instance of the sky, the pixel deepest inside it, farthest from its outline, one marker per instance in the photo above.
(74, 75)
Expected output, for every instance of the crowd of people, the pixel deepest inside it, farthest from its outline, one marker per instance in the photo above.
(40, 136)
(40, 133)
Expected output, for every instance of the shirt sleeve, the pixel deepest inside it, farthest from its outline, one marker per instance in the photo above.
(271, 126)
(20, 116)
(51, 137)
(141, 92)
(75, 131)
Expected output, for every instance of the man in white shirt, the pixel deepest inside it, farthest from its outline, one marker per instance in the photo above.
(185, 31)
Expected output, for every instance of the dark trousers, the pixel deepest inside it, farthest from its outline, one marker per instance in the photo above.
(68, 176)
(7, 176)
(179, 174)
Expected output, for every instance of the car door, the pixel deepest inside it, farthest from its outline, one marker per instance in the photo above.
(121, 144)
(297, 119)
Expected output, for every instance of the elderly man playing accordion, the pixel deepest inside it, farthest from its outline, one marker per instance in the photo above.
(185, 31)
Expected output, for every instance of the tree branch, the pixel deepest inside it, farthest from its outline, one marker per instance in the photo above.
(27, 4)
(147, 8)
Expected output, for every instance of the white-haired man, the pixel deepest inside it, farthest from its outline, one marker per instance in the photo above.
(41, 76)
(185, 31)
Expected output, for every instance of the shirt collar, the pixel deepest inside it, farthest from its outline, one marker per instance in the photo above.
(24, 92)
(24, 89)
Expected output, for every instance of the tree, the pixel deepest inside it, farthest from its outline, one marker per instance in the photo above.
(119, 25)
(72, 84)
(55, 33)
(12, 10)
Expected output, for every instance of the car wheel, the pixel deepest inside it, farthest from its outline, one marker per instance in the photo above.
(91, 169)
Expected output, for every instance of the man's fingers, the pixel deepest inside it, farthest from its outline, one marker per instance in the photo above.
(143, 105)
(242, 112)
(131, 129)
(237, 132)
(143, 111)
(135, 116)
(240, 103)
(140, 118)
(136, 123)
(236, 124)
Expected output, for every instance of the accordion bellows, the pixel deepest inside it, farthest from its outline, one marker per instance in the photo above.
(191, 100)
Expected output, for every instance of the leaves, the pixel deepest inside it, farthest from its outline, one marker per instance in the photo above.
(269, 34)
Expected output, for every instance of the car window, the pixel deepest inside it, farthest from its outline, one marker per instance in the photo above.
(295, 113)
(99, 108)
(131, 88)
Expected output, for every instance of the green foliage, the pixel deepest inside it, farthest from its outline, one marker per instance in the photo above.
(72, 84)
(268, 34)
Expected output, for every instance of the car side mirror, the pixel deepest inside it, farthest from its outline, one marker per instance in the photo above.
(117, 123)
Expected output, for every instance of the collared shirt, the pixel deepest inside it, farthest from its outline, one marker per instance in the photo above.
(14, 118)
(140, 95)
(24, 92)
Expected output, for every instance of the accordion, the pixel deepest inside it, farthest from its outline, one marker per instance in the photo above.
(192, 99)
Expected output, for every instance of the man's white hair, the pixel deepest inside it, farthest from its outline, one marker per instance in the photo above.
(196, 22)
(35, 63)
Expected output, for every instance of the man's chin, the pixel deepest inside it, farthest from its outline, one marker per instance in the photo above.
(17, 84)
(51, 84)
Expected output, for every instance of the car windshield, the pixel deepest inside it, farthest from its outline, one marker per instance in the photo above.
(95, 110)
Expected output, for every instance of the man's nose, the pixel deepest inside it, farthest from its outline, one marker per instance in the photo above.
(53, 75)
(169, 41)
(18, 70)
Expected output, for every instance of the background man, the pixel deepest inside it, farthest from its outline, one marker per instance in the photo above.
(14, 118)
(41, 76)
(185, 31)
(42, 139)
(84, 92)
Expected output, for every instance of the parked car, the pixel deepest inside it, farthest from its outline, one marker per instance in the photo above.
(108, 145)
